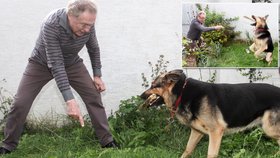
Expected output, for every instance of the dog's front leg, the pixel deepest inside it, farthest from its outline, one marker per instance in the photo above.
(192, 142)
(259, 51)
(253, 47)
(268, 58)
(215, 138)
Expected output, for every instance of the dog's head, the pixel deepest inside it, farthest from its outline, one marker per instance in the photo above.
(260, 22)
(164, 89)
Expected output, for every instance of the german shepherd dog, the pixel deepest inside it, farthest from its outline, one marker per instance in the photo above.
(216, 109)
(263, 44)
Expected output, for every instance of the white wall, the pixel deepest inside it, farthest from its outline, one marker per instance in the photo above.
(19, 29)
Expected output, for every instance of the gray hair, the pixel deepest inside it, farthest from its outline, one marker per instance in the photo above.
(76, 7)
(201, 13)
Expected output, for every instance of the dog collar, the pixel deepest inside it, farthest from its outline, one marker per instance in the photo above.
(178, 101)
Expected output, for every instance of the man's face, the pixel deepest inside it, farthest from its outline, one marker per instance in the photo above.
(202, 18)
(82, 24)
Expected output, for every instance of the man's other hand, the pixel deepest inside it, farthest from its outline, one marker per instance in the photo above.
(100, 86)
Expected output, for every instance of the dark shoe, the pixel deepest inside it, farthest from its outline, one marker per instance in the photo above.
(4, 151)
(112, 144)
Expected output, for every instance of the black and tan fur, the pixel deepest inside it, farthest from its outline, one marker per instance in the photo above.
(217, 109)
(263, 43)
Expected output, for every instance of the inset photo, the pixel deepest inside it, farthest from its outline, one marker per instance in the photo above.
(230, 35)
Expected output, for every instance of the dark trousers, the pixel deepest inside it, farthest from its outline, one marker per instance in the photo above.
(193, 44)
(33, 80)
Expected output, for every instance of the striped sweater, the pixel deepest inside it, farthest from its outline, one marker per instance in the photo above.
(196, 29)
(57, 47)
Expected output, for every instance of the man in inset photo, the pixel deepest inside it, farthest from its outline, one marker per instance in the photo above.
(197, 28)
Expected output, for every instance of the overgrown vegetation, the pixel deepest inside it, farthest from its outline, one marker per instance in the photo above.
(134, 127)
(202, 55)
(157, 69)
(224, 36)
(5, 102)
(253, 74)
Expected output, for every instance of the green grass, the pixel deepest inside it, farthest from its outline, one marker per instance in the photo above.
(72, 141)
(236, 56)
(141, 133)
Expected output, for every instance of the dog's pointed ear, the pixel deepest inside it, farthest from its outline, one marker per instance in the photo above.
(174, 75)
(265, 17)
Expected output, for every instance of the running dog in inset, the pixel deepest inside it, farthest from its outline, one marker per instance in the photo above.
(263, 44)
(216, 109)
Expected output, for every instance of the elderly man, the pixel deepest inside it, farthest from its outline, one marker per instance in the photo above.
(196, 29)
(63, 34)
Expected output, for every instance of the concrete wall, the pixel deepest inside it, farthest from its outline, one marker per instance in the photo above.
(130, 32)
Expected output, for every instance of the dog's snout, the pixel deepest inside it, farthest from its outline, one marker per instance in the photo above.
(144, 95)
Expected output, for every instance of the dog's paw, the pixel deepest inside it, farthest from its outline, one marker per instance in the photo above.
(185, 155)
(247, 51)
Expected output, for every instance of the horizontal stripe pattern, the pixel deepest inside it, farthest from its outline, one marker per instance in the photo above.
(57, 48)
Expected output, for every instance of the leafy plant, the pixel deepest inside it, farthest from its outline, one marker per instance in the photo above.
(212, 50)
(253, 74)
(133, 127)
(249, 39)
(212, 77)
(224, 36)
(157, 69)
(203, 54)
(6, 100)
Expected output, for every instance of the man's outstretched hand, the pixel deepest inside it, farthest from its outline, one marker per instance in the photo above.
(74, 112)
(219, 27)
